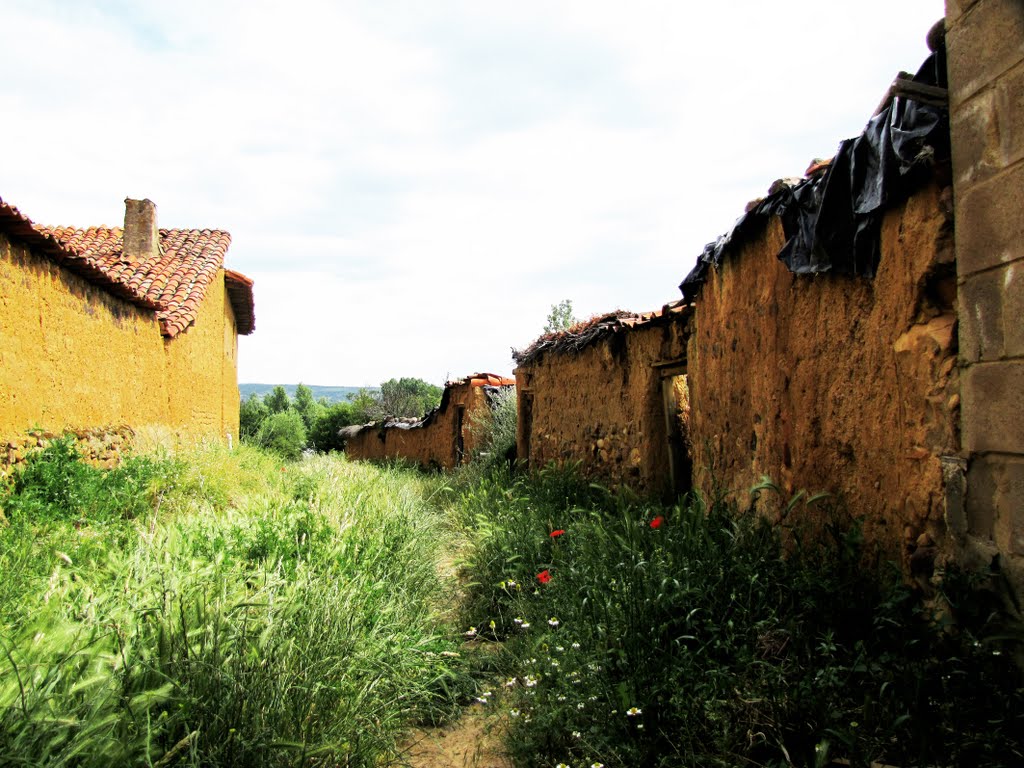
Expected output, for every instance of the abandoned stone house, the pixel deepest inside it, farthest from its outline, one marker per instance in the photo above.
(110, 327)
(859, 331)
(443, 438)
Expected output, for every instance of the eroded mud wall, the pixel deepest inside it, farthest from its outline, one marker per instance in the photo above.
(842, 384)
(434, 444)
(603, 407)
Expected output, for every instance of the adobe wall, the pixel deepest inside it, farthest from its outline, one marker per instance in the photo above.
(75, 357)
(430, 445)
(72, 354)
(833, 383)
(985, 44)
(202, 370)
(602, 407)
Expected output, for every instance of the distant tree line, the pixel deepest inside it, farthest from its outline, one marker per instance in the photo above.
(291, 425)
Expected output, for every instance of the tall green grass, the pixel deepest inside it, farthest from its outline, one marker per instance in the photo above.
(636, 634)
(238, 612)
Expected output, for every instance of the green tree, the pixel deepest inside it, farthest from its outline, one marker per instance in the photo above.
(309, 409)
(324, 434)
(284, 433)
(251, 415)
(278, 400)
(408, 397)
(365, 405)
(560, 318)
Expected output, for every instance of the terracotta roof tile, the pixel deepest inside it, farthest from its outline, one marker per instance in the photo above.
(174, 283)
(176, 280)
(16, 224)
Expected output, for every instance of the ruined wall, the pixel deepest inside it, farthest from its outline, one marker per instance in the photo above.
(434, 444)
(603, 407)
(985, 43)
(73, 356)
(833, 383)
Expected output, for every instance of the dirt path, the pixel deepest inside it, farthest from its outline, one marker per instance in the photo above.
(473, 741)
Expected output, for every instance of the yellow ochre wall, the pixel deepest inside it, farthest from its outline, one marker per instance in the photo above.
(73, 356)
(202, 370)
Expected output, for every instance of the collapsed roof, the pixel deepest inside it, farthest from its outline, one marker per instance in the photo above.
(588, 332)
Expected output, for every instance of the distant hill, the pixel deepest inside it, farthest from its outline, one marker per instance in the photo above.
(333, 394)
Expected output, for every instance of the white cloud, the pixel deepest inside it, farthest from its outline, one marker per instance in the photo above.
(413, 185)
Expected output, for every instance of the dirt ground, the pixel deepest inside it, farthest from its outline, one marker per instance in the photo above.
(473, 741)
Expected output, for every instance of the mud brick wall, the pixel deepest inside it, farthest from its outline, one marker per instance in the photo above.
(985, 42)
(834, 383)
(603, 407)
(74, 356)
(444, 441)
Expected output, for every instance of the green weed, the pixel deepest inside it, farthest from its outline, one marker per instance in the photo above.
(642, 635)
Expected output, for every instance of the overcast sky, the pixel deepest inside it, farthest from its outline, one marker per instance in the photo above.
(412, 185)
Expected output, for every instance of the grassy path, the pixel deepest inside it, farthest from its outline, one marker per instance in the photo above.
(225, 609)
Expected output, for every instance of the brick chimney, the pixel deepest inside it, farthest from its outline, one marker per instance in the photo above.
(141, 237)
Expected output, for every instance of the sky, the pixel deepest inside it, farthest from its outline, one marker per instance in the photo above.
(413, 184)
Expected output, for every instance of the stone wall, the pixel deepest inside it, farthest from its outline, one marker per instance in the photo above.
(834, 383)
(74, 357)
(985, 43)
(604, 407)
(103, 447)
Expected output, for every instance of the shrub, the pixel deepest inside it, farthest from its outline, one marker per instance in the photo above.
(55, 483)
(284, 433)
(324, 434)
(251, 415)
(495, 428)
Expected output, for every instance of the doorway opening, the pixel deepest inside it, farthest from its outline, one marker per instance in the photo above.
(676, 398)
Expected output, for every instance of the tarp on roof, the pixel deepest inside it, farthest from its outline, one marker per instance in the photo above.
(832, 221)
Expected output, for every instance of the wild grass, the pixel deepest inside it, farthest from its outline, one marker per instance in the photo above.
(238, 611)
(636, 634)
(222, 608)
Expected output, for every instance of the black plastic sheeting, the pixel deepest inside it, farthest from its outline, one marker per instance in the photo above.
(832, 221)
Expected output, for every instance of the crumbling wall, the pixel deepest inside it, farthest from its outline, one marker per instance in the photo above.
(443, 440)
(834, 383)
(603, 407)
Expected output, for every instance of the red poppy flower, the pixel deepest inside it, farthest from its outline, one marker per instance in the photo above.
(556, 534)
(544, 576)
(656, 522)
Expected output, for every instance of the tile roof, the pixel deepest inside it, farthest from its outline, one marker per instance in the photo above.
(173, 284)
(176, 280)
(14, 222)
